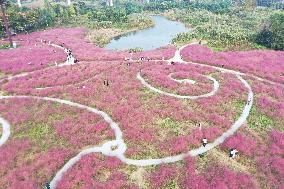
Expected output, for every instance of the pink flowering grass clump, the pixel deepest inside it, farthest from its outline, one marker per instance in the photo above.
(157, 54)
(57, 78)
(29, 57)
(162, 76)
(10, 153)
(270, 107)
(263, 63)
(89, 123)
(162, 175)
(215, 176)
(36, 170)
(244, 144)
(270, 161)
(96, 171)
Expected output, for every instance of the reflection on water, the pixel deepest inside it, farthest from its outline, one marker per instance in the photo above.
(151, 38)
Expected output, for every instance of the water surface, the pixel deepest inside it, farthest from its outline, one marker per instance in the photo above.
(151, 38)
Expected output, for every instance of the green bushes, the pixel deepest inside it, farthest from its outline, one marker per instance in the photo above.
(78, 14)
(217, 6)
(233, 30)
(272, 33)
(25, 20)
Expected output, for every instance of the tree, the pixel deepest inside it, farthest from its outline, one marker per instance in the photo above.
(250, 4)
(277, 30)
(272, 33)
(5, 20)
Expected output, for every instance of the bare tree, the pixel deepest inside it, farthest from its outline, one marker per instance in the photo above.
(5, 20)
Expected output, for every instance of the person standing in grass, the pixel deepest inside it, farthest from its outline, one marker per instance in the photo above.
(233, 153)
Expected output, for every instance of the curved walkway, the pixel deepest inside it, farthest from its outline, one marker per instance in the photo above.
(5, 131)
(215, 89)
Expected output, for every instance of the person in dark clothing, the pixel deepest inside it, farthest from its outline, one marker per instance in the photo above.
(47, 185)
(106, 83)
(249, 102)
(233, 153)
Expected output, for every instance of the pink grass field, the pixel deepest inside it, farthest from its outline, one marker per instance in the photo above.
(45, 135)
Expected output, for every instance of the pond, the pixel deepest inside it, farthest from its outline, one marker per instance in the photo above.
(151, 38)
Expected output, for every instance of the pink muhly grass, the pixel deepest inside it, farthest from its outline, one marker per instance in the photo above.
(262, 63)
(162, 175)
(245, 145)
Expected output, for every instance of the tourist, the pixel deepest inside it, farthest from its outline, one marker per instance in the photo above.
(249, 101)
(233, 153)
(204, 142)
(47, 185)
(69, 51)
(106, 83)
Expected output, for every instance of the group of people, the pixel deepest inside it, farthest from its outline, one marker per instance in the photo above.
(70, 58)
(106, 82)
(145, 58)
(141, 58)
(232, 153)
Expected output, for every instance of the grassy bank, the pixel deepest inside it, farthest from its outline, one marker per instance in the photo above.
(103, 35)
(235, 30)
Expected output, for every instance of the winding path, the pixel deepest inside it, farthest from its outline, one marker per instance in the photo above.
(215, 89)
(117, 147)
